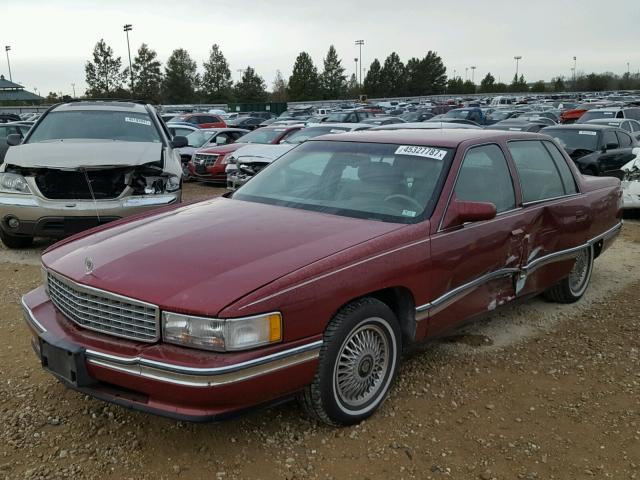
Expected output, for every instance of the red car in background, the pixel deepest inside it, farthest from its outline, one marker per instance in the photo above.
(200, 120)
(209, 164)
(573, 115)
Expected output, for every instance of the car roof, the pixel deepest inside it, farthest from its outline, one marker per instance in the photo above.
(350, 126)
(580, 126)
(448, 138)
(609, 120)
(102, 105)
(429, 125)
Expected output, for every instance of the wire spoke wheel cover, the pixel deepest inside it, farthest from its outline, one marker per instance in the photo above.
(364, 364)
(579, 276)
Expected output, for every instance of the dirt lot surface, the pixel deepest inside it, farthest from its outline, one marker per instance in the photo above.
(533, 391)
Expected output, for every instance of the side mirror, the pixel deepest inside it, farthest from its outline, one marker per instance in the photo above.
(179, 142)
(14, 139)
(460, 212)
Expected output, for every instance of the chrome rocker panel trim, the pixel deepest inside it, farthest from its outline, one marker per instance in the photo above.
(428, 309)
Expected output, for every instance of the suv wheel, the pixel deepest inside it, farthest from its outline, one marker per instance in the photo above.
(15, 241)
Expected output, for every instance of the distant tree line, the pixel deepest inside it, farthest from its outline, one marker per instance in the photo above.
(180, 80)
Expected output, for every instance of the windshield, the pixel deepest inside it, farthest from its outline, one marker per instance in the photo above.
(308, 133)
(388, 182)
(337, 117)
(457, 114)
(590, 115)
(499, 115)
(575, 139)
(263, 135)
(198, 138)
(96, 125)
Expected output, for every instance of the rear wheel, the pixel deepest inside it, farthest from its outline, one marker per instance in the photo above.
(572, 288)
(358, 362)
(15, 241)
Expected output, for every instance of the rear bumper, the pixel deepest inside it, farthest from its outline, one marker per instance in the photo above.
(210, 386)
(39, 216)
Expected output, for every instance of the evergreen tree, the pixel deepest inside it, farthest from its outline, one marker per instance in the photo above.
(333, 79)
(487, 85)
(371, 84)
(304, 83)
(392, 76)
(518, 84)
(147, 77)
(280, 88)
(426, 76)
(352, 89)
(180, 78)
(455, 85)
(103, 75)
(558, 84)
(251, 89)
(216, 81)
(539, 87)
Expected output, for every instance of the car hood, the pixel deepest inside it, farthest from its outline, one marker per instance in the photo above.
(202, 257)
(221, 150)
(90, 154)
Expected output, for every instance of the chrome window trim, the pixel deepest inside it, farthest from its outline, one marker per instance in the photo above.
(426, 310)
(552, 199)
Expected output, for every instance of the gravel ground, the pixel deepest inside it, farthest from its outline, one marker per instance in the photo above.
(533, 391)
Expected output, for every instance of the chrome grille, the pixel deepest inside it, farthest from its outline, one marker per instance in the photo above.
(205, 159)
(103, 311)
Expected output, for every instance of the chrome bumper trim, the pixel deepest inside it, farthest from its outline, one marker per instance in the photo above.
(149, 201)
(30, 319)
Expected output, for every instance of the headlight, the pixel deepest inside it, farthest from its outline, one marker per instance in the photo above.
(13, 183)
(221, 334)
(173, 184)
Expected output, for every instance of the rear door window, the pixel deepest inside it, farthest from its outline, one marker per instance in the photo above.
(624, 139)
(609, 139)
(568, 180)
(539, 176)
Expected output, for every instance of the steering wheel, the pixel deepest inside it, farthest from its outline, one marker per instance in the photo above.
(406, 198)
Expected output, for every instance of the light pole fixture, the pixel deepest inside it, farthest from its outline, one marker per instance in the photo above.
(575, 60)
(473, 74)
(6, 49)
(517, 58)
(127, 28)
(356, 60)
(73, 86)
(466, 73)
(360, 43)
(240, 71)
(628, 71)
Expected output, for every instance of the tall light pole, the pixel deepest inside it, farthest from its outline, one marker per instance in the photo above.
(240, 71)
(73, 86)
(356, 61)
(6, 49)
(575, 60)
(127, 29)
(466, 73)
(628, 71)
(360, 43)
(473, 74)
(517, 58)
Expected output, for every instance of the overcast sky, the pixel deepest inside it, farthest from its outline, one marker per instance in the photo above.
(52, 39)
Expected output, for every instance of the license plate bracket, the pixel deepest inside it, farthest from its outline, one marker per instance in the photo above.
(65, 360)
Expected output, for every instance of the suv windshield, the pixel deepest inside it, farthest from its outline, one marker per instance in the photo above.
(590, 115)
(575, 139)
(388, 182)
(95, 125)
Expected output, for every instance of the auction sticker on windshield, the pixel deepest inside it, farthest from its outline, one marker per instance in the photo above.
(137, 120)
(427, 152)
(586, 132)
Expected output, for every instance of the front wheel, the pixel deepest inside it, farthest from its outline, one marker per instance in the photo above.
(15, 241)
(572, 288)
(358, 363)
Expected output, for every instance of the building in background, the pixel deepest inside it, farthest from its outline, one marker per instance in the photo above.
(15, 94)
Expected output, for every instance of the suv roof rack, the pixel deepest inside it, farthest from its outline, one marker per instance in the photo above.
(127, 100)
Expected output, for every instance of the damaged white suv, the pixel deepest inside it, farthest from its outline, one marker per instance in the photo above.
(84, 164)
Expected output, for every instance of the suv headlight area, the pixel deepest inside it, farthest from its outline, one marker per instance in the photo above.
(13, 183)
(221, 335)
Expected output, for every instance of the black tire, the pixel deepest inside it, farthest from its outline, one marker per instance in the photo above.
(571, 289)
(325, 399)
(15, 241)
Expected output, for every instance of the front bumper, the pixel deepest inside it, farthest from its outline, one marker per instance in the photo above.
(212, 173)
(168, 380)
(39, 216)
(631, 194)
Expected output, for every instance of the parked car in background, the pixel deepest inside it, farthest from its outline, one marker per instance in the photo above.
(9, 117)
(472, 114)
(315, 130)
(517, 125)
(418, 116)
(210, 163)
(167, 117)
(383, 120)
(627, 124)
(631, 183)
(85, 164)
(7, 129)
(573, 115)
(596, 149)
(237, 302)
(427, 125)
(609, 113)
(248, 123)
(201, 120)
(353, 116)
(205, 138)
(496, 116)
(181, 129)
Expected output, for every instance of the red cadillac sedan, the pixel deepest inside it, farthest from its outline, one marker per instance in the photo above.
(327, 265)
(209, 164)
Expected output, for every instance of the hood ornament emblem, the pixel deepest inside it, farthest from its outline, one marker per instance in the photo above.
(88, 266)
